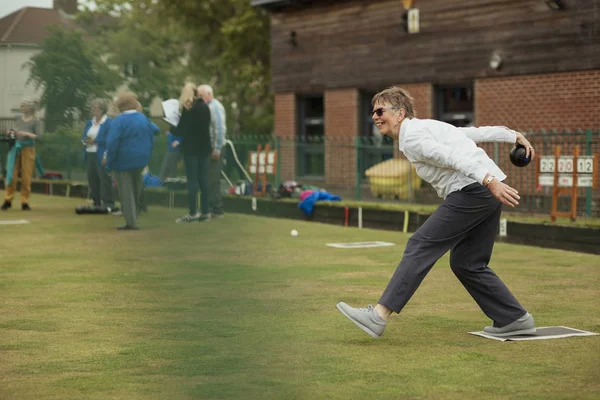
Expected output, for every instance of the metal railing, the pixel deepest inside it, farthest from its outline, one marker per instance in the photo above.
(353, 167)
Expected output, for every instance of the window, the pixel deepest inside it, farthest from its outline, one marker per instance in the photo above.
(311, 129)
(454, 104)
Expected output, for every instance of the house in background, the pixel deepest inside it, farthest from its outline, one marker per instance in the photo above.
(21, 34)
(529, 64)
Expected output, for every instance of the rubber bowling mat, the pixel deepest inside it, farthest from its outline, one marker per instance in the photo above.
(548, 332)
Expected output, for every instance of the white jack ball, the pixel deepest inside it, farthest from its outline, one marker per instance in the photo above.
(294, 232)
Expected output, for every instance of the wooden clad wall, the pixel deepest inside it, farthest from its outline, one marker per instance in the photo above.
(357, 43)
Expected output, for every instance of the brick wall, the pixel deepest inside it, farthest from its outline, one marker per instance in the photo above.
(341, 128)
(422, 93)
(285, 128)
(550, 101)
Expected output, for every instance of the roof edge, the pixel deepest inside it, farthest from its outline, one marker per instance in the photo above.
(276, 5)
(16, 22)
(17, 45)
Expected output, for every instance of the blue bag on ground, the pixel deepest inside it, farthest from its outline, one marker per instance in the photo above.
(149, 180)
(308, 204)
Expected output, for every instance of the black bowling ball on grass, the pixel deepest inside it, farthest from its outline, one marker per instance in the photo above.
(518, 156)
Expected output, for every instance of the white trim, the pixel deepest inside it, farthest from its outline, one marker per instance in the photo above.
(360, 245)
(505, 339)
(15, 222)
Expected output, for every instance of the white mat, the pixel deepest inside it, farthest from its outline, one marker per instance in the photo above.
(548, 332)
(15, 222)
(359, 245)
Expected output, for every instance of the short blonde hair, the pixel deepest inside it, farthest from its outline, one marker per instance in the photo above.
(396, 98)
(188, 95)
(126, 101)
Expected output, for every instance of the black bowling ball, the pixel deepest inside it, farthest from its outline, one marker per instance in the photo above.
(518, 156)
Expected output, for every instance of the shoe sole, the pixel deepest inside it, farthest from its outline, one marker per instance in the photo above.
(361, 326)
(513, 333)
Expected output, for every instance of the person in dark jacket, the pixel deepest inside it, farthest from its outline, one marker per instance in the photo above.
(194, 130)
(94, 140)
(128, 151)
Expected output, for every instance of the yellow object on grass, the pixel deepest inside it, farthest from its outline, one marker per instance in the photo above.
(390, 178)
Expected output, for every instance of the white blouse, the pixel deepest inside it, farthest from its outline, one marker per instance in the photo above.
(446, 156)
(93, 132)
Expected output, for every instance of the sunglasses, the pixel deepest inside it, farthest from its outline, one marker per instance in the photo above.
(379, 111)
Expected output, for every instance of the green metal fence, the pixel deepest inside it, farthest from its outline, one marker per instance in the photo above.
(354, 167)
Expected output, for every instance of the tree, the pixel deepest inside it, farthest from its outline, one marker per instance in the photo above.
(70, 75)
(225, 43)
(148, 50)
(233, 47)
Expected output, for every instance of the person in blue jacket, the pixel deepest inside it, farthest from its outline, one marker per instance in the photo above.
(94, 141)
(128, 150)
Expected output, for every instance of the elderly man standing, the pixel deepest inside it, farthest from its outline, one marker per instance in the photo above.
(218, 131)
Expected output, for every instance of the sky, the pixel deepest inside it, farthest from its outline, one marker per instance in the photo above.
(8, 6)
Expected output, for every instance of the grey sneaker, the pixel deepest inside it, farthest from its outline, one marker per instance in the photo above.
(366, 319)
(523, 326)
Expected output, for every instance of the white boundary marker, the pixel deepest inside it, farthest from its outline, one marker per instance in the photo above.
(504, 339)
(359, 217)
(503, 231)
(171, 199)
(15, 222)
(360, 245)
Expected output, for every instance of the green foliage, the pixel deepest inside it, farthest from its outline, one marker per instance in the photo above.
(224, 43)
(62, 151)
(147, 49)
(70, 75)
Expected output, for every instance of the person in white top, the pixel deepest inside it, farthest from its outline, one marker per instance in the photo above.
(94, 142)
(465, 224)
(218, 135)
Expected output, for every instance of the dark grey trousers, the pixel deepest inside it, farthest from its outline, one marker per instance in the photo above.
(100, 182)
(466, 224)
(93, 175)
(106, 188)
(168, 168)
(130, 187)
(215, 202)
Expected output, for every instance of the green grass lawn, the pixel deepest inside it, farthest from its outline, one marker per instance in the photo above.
(239, 309)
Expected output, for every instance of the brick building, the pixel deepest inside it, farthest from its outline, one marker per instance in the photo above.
(529, 64)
